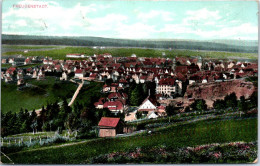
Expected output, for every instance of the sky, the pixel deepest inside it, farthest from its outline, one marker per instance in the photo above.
(132, 19)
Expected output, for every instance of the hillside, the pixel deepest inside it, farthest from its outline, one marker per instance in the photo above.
(219, 45)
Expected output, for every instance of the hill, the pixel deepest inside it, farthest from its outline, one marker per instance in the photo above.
(218, 45)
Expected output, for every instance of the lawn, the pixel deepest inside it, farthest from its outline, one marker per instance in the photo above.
(46, 91)
(29, 65)
(198, 133)
(6, 65)
(125, 52)
(27, 47)
(90, 93)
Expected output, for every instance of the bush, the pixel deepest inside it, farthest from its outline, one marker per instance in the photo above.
(234, 152)
(86, 135)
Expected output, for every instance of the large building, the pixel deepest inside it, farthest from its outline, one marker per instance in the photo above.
(169, 87)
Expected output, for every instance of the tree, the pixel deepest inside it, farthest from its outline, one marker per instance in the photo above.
(171, 110)
(242, 105)
(42, 117)
(136, 96)
(72, 122)
(187, 109)
(253, 99)
(138, 115)
(219, 104)
(199, 104)
(231, 100)
(109, 81)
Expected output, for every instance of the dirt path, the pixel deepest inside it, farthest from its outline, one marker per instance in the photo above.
(75, 94)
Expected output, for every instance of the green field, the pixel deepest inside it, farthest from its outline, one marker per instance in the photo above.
(7, 65)
(124, 52)
(46, 91)
(198, 133)
(90, 93)
(27, 47)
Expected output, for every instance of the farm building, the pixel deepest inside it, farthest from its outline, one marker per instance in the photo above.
(110, 127)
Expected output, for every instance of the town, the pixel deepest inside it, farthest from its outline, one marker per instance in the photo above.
(129, 82)
(131, 92)
(178, 81)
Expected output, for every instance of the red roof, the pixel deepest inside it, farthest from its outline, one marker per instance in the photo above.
(113, 105)
(167, 81)
(109, 122)
(79, 71)
(115, 94)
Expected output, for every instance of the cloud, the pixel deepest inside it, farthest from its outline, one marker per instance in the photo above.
(135, 31)
(201, 16)
(108, 22)
(95, 20)
(243, 31)
(21, 23)
(164, 15)
(52, 16)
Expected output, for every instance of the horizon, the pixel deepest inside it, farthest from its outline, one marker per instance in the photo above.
(133, 20)
(161, 39)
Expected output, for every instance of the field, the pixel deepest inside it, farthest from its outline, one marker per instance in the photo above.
(198, 133)
(125, 52)
(90, 93)
(45, 91)
(27, 47)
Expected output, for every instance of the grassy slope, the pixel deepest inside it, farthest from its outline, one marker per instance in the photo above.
(90, 93)
(27, 47)
(186, 135)
(61, 53)
(13, 100)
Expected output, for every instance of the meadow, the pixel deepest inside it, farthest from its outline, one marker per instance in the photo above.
(27, 47)
(45, 91)
(198, 133)
(126, 52)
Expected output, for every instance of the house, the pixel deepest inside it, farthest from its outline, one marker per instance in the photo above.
(8, 79)
(79, 73)
(148, 105)
(75, 55)
(152, 115)
(20, 82)
(3, 61)
(114, 106)
(110, 127)
(100, 103)
(27, 61)
(161, 110)
(64, 76)
(130, 116)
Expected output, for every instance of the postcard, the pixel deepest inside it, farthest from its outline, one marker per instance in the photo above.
(129, 82)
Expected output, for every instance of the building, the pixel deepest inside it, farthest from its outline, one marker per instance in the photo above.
(166, 86)
(114, 106)
(110, 127)
(79, 73)
(148, 105)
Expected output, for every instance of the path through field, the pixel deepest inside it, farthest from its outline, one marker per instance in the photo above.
(76, 93)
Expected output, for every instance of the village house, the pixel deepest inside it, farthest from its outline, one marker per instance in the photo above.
(79, 73)
(64, 76)
(148, 105)
(27, 61)
(114, 106)
(110, 127)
